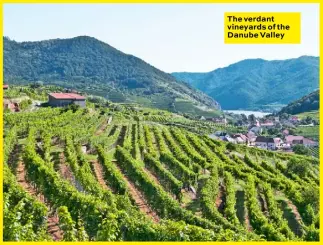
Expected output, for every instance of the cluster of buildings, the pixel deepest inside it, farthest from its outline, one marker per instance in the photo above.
(254, 137)
(263, 142)
(258, 127)
(287, 143)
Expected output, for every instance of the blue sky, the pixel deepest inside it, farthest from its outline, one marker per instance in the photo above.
(171, 37)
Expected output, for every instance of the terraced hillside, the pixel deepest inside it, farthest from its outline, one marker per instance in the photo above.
(86, 175)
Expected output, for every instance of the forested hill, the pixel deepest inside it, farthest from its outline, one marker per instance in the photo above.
(258, 83)
(307, 103)
(91, 65)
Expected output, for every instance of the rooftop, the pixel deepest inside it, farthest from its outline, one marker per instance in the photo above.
(277, 140)
(267, 124)
(67, 96)
(241, 136)
(264, 139)
(290, 138)
(308, 141)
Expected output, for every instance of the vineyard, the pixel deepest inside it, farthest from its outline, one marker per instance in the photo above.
(200, 127)
(85, 175)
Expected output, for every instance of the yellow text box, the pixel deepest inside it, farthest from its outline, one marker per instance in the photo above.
(262, 28)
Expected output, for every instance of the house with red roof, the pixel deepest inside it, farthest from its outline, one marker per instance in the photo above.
(294, 119)
(309, 143)
(298, 139)
(240, 138)
(65, 99)
(5, 86)
(294, 139)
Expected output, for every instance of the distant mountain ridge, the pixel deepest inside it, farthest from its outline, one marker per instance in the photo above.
(310, 102)
(257, 83)
(93, 66)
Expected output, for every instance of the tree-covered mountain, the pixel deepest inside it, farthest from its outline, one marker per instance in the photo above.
(87, 64)
(307, 103)
(257, 83)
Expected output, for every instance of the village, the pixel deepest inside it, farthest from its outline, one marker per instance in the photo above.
(275, 133)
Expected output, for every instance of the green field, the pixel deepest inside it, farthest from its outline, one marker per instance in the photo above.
(313, 114)
(311, 132)
(189, 108)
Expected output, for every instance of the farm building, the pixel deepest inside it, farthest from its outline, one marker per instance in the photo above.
(64, 99)
(5, 86)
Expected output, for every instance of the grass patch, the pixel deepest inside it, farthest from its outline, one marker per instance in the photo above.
(90, 157)
(56, 148)
(313, 114)
(311, 132)
(189, 108)
(22, 141)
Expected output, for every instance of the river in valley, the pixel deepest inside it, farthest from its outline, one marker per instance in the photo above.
(247, 113)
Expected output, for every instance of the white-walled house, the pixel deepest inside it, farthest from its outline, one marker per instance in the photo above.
(261, 142)
(268, 143)
(274, 143)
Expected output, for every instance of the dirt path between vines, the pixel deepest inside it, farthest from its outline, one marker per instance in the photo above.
(220, 199)
(14, 157)
(102, 127)
(152, 176)
(291, 214)
(52, 219)
(247, 221)
(293, 217)
(292, 207)
(66, 172)
(294, 210)
(98, 171)
(64, 169)
(138, 197)
(263, 204)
